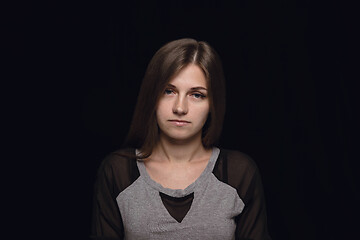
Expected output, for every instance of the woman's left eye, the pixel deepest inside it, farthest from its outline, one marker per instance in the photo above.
(198, 95)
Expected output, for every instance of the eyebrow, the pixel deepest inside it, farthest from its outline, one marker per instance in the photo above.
(193, 88)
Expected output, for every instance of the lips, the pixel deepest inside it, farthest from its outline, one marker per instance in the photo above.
(178, 122)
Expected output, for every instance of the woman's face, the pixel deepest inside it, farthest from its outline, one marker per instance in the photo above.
(184, 105)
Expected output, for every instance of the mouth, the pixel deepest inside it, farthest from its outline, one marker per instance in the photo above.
(179, 122)
(176, 120)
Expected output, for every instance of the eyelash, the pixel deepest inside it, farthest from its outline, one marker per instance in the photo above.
(168, 91)
(201, 96)
(196, 95)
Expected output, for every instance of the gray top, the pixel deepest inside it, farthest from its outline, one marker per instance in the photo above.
(211, 215)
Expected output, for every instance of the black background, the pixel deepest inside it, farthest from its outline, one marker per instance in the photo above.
(291, 79)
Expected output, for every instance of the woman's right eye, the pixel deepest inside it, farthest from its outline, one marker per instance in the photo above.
(168, 91)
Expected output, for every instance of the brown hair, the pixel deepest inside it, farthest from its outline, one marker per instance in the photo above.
(166, 63)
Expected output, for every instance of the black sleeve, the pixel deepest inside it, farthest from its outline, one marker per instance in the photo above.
(240, 171)
(252, 222)
(115, 173)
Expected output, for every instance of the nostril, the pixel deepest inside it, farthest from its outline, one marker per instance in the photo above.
(179, 110)
(180, 106)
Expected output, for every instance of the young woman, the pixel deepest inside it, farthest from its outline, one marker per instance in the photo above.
(170, 181)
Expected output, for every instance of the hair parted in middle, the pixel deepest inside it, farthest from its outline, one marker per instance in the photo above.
(167, 62)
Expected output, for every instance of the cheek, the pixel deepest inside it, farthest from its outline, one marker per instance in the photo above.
(203, 113)
(161, 110)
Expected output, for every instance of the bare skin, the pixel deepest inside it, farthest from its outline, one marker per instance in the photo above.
(179, 158)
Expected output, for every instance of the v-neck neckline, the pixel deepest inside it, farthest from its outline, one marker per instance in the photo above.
(179, 192)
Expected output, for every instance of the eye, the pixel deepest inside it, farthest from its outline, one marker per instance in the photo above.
(198, 95)
(168, 91)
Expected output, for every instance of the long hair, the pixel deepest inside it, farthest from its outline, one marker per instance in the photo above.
(169, 60)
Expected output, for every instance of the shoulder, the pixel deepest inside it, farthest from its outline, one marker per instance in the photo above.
(238, 161)
(237, 169)
(119, 169)
(119, 158)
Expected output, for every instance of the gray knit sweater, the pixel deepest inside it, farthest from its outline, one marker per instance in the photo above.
(225, 202)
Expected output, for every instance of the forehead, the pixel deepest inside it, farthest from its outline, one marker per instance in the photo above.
(189, 77)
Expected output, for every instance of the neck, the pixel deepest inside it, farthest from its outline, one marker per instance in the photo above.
(179, 151)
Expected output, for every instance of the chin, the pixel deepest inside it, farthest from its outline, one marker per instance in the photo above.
(180, 137)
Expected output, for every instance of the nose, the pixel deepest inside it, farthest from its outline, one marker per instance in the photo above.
(180, 106)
